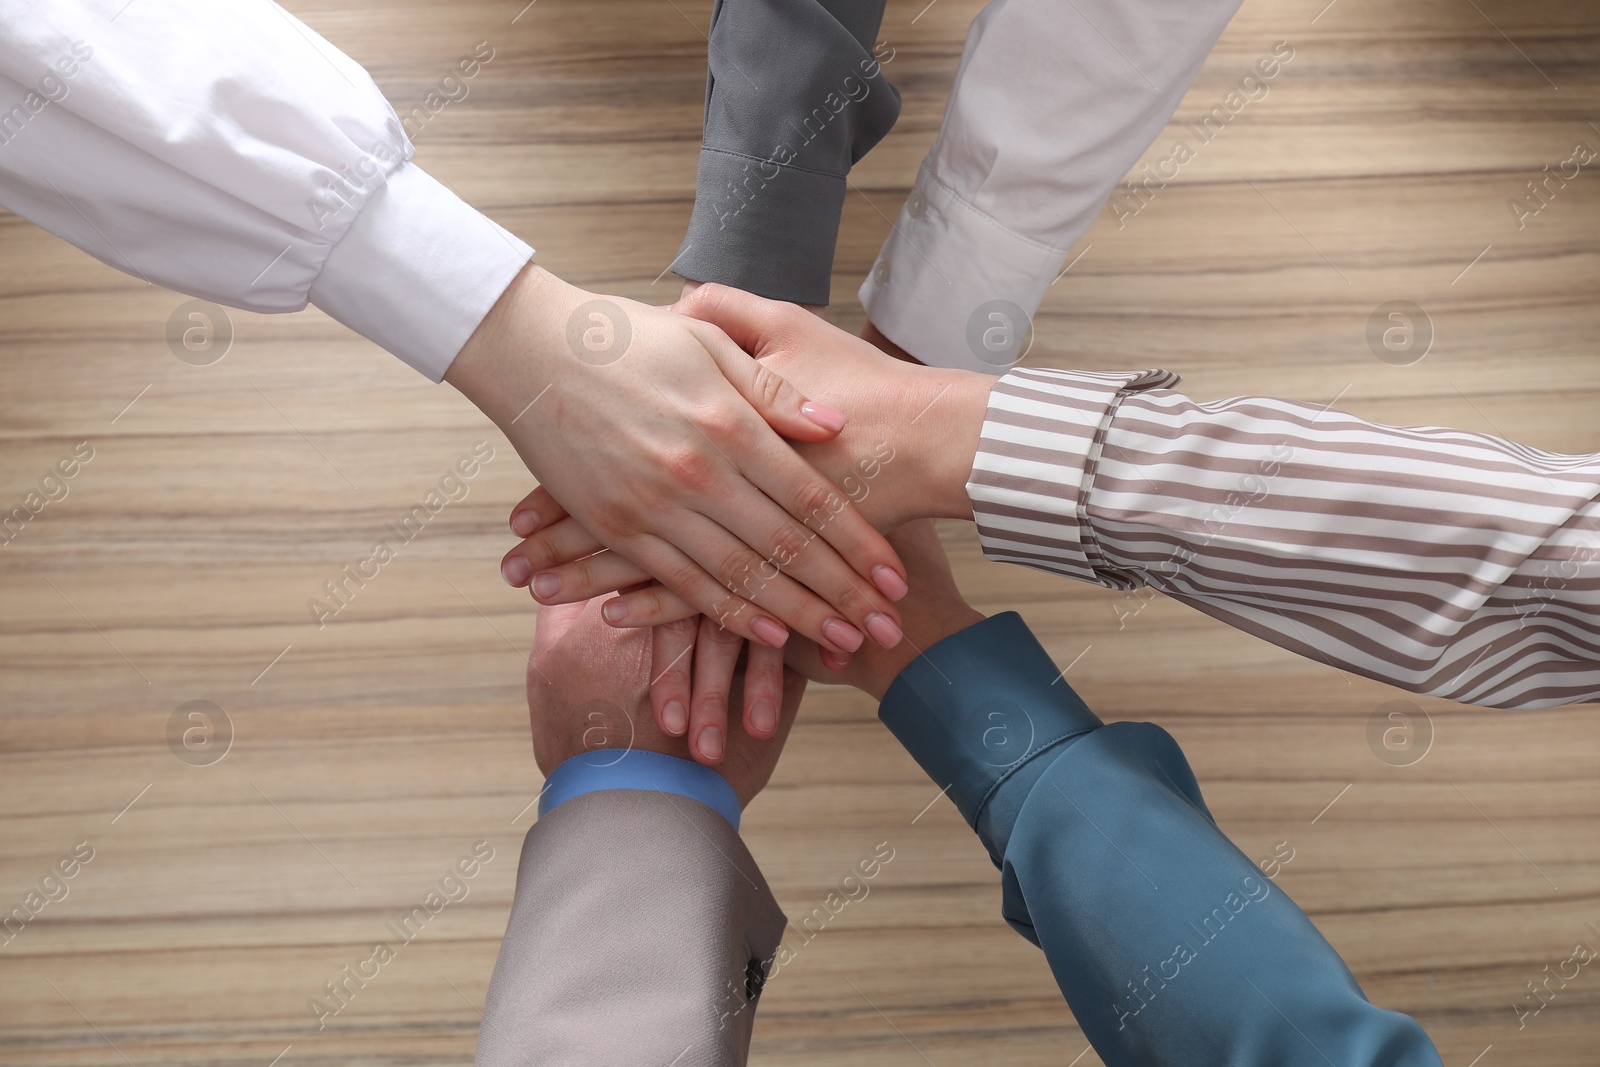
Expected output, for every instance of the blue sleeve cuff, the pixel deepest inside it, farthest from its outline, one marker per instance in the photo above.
(629, 768)
(977, 710)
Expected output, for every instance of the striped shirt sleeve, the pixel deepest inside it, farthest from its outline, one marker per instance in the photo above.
(1447, 563)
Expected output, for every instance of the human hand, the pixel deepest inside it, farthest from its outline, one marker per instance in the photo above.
(906, 452)
(819, 310)
(656, 434)
(586, 692)
(693, 658)
(934, 610)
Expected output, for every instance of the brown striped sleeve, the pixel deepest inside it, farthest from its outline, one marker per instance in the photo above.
(1443, 562)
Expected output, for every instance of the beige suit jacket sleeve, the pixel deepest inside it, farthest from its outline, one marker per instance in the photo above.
(639, 936)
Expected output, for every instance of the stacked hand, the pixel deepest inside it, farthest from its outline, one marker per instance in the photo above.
(662, 439)
(904, 454)
(586, 693)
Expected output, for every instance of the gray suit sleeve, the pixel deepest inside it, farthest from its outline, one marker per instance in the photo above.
(794, 97)
(639, 934)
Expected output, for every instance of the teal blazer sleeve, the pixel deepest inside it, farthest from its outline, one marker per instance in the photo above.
(1170, 946)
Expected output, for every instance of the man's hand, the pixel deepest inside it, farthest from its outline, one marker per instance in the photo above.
(653, 430)
(588, 689)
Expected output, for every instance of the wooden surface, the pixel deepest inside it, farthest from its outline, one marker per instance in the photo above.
(369, 755)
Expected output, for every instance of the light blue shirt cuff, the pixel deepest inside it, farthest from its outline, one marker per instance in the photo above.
(629, 768)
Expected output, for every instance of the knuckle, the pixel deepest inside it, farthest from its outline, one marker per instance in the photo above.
(818, 502)
(712, 704)
(722, 422)
(789, 543)
(740, 569)
(689, 466)
(769, 386)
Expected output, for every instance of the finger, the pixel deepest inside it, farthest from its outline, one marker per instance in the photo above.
(684, 577)
(743, 572)
(548, 548)
(775, 468)
(781, 405)
(763, 690)
(535, 511)
(754, 323)
(603, 572)
(716, 652)
(652, 604)
(671, 659)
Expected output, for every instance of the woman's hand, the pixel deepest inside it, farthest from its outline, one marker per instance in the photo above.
(661, 438)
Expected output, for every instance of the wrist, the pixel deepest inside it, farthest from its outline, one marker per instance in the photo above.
(944, 441)
(927, 628)
(506, 362)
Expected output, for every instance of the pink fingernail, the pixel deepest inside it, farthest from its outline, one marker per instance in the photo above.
(769, 631)
(675, 718)
(548, 584)
(709, 743)
(614, 611)
(883, 630)
(824, 416)
(764, 716)
(843, 634)
(889, 583)
(523, 523)
(516, 570)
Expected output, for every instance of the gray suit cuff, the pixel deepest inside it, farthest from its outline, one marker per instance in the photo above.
(762, 227)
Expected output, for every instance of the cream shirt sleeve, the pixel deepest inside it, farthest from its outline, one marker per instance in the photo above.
(1053, 102)
(223, 149)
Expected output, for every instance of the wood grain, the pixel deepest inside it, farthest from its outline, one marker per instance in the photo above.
(371, 753)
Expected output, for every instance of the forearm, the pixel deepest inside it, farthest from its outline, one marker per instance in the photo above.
(1052, 105)
(636, 920)
(795, 96)
(1448, 563)
(1166, 940)
(230, 153)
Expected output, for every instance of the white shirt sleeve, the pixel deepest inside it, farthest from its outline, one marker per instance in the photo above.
(1053, 102)
(223, 149)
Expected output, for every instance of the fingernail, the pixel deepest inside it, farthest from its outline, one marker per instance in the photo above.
(764, 716)
(516, 571)
(614, 611)
(883, 630)
(834, 661)
(889, 583)
(824, 416)
(843, 634)
(771, 632)
(675, 718)
(548, 584)
(710, 743)
(524, 523)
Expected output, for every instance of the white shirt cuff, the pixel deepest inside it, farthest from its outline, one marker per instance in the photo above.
(945, 273)
(418, 270)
